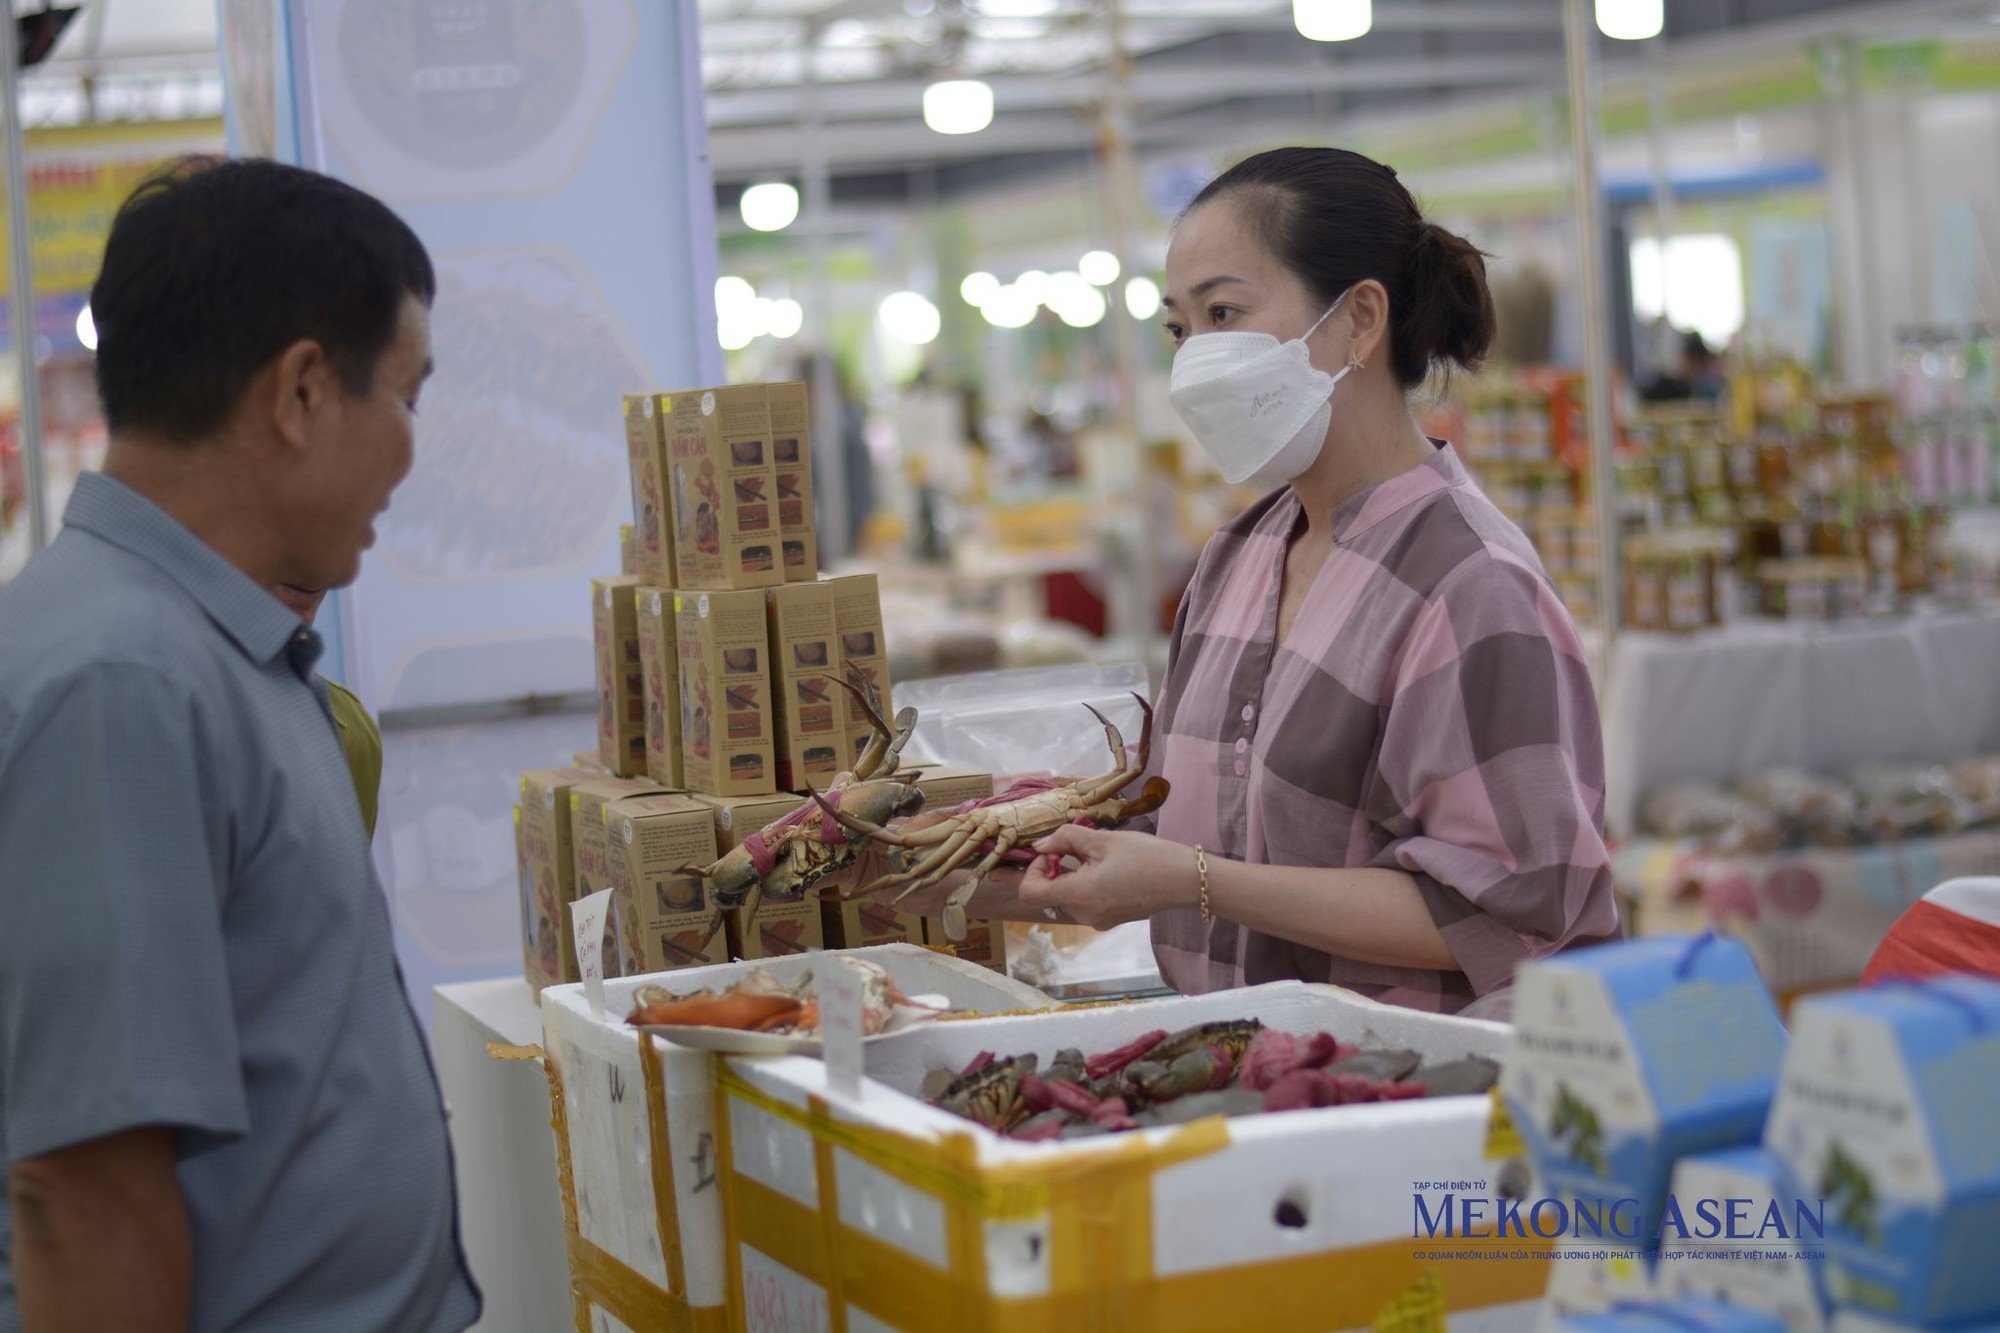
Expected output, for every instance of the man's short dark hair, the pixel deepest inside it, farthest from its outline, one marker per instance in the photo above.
(214, 267)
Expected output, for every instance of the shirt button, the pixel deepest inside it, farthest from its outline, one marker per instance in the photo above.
(1242, 745)
(1249, 711)
(1241, 768)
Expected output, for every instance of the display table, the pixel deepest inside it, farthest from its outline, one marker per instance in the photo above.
(1813, 917)
(1729, 703)
(509, 1205)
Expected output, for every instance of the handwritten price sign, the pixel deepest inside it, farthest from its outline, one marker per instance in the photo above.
(587, 921)
(840, 1033)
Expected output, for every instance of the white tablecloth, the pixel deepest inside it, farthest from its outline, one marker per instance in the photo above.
(1730, 703)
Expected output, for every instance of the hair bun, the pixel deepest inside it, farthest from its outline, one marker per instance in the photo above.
(1448, 312)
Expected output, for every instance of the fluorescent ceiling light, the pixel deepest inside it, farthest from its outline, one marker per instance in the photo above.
(958, 106)
(1631, 20)
(909, 317)
(1339, 20)
(1099, 268)
(771, 206)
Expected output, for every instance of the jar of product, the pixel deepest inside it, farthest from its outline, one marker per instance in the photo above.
(1645, 592)
(1687, 592)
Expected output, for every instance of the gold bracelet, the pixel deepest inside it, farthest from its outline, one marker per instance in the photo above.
(1201, 869)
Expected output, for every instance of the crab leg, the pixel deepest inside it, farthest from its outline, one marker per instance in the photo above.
(887, 744)
(947, 849)
(940, 866)
(926, 837)
(954, 906)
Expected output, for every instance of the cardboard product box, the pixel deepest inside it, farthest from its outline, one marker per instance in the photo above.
(791, 454)
(652, 542)
(1722, 1239)
(1854, 1321)
(864, 923)
(606, 1117)
(1629, 1057)
(663, 914)
(985, 942)
(1886, 1110)
(1674, 1316)
(811, 711)
(857, 616)
(946, 788)
(659, 667)
(541, 946)
(621, 690)
(726, 734)
(723, 488)
(550, 866)
(628, 562)
(783, 925)
(593, 871)
(587, 759)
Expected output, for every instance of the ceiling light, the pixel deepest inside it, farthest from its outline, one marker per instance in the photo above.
(1076, 302)
(1033, 286)
(958, 106)
(787, 318)
(86, 329)
(1009, 308)
(733, 293)
(1339, 20)
(1142, 297)
(1099, 268)
(978, 288)
(771, 206)
(1018, 9)
(1631, 20)
(909, 317)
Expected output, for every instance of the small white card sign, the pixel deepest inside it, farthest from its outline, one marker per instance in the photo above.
(840, 987)
(587, 921)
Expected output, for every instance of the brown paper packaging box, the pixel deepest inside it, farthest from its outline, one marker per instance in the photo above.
(723, 488)
(791, 445)
(551, 863)
(541, 932)
(659, 665)
(621, 692)
(783, 926)
(646, 453)
(726, 733)
(866, 921)
(945, 789)
(662, 913)
(857, 618)
(985, 942)
(628, 562)
(593, 872)
(811, 710)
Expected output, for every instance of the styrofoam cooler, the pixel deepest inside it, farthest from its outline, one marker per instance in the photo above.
(1294, 1221)
(614, 1173)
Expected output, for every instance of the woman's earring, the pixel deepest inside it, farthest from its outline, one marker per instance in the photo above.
(1358, 364)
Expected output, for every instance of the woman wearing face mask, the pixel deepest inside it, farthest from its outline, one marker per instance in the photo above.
(1381, 737)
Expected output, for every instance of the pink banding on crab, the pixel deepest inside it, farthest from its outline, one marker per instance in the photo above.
(765, 858)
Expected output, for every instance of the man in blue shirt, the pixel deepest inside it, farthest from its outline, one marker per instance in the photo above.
(216, 1109)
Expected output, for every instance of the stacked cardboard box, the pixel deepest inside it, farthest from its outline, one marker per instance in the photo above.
(659, 668)
(726, 741)
(857, 616)
(782, 924)
(791, 455)
(549, 873)
(652, 543)
(621, 694)
(664, 916)
(724, 488)
(811, 709)
(587, 802)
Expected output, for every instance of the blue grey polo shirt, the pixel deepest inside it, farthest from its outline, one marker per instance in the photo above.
(192, 934)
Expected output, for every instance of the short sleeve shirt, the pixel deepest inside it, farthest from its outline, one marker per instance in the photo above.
(1430, 712)
(192, 934)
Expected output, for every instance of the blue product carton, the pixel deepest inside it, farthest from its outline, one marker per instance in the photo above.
(1854, 1321)
(1687, 1316)
(1738, 1229)
(1889, 1108)
(1627, 1058)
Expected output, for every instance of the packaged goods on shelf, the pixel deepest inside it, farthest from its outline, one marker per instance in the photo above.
(1882, 803)
(865, 922)
(542, 920)
(1186, 1226)
(1680, 582)
(628, 551)
(1751, 1238)
(659, 669)
(1630, 1056)
(551, 866)
(621, 690)
(1814, 590)
(1885, 1110)
(780, 925)
(810, 707)
(857, 615)
(622, 1099)
(791, 457)
(646, 457)
(1948, 413)
(663, 914)
(592, 855)
(723, 488)
(946, 788)
(1674, 1316)
(985, 942)
(726, 737)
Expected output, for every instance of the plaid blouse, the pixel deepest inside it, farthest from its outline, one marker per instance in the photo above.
(1431, 712)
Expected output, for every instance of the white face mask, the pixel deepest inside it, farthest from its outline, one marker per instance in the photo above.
(1258, 406)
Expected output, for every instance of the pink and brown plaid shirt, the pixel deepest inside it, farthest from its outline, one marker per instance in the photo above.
(1431, 712)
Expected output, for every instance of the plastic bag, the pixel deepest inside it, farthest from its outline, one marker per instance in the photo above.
(1010, 723)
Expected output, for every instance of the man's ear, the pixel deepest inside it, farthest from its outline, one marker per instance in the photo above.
(1367, 309)
(304, 382)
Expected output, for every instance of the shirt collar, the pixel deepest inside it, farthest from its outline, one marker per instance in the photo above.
(1364, 509)
(254, 620)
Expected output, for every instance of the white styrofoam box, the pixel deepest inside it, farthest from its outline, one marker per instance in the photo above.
(604, 1096)
(1580, 1286)
(1349, 1171)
